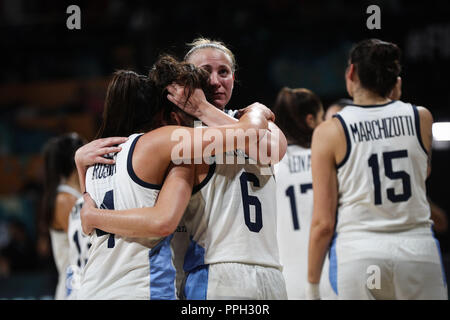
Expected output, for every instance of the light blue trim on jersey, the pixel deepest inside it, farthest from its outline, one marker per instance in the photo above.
(195, 256)
(444, 278)
(332, 272)
(68, 283)
(196, 286)
(162, 271)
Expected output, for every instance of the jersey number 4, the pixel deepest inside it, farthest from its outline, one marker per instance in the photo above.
(388, 157)
(108, 203)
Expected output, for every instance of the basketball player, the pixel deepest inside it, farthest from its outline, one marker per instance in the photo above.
(138, 265)
(297, 112)
(437, 214)
(61, 191)
(235, 254)
(336, 106)
(369, 166)
(231, 217)
(78, 251)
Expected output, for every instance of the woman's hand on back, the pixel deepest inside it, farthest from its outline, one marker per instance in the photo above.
(94, 151)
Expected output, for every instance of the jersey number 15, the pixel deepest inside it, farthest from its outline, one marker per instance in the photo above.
(405, 178)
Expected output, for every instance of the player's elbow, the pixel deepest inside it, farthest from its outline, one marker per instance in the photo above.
(272, 148)
(279, 150)
(161, 227)
(322, 229)
(166, 227)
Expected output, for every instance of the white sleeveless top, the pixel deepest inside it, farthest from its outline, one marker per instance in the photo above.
(294, 214)
(121, 267)
(382, 177)
(78, 251)
(60, 247)
(231, 217)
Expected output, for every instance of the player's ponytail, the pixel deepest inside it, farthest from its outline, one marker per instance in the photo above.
(291, 108)
(127, 109)
(377, 64)
(59, 163)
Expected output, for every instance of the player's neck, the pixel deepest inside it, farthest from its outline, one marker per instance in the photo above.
(73, 181)
(365, 98)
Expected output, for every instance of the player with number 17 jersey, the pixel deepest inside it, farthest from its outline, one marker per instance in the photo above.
(295, 208)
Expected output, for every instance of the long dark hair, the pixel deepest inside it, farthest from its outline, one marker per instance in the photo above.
(377, 64)
(139, 103)
(59, 163)
(291, 108)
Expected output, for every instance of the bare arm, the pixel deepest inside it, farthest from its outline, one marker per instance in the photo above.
(323, 165)
(426, 123)
(157, 221)
(63, 205)
(269, 150)
(439, 217)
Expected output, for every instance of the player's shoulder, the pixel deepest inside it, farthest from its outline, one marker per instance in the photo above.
(65, 199)
(424, 113)
(329, 128)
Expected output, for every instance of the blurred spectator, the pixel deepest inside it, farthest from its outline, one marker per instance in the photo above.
(19, 254)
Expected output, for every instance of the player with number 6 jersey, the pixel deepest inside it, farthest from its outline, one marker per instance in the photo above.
(231, 221)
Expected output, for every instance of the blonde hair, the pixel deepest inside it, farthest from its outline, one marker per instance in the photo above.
(201, 43)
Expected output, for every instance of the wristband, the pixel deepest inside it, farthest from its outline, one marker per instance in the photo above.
(312, 291)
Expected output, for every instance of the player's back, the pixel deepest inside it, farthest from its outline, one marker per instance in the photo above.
(120, 267)
(382, 177)
(294, 213)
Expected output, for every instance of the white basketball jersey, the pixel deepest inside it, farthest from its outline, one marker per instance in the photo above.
(294, 214)
(382, 177)
(231, 216)
(60, 248)
(121, 267)
(78, 251)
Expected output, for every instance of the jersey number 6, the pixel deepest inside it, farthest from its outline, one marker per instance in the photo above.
(248, 200)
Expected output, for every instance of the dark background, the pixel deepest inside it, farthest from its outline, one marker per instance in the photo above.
(53, 80)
